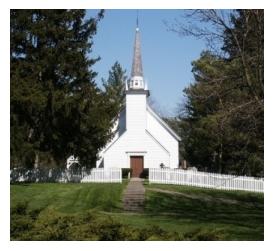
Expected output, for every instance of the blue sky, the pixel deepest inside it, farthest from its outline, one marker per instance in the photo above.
(166, 56)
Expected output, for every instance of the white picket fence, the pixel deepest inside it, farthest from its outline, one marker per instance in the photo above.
(63, 176)
(102, 175)
(204, 179)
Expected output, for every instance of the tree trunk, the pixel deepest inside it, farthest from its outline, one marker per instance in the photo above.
(36, 163)
(220, 169)
(31, 131)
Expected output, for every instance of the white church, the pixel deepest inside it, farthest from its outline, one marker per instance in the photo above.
(142, 139)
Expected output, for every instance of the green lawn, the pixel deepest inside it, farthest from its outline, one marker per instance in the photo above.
(69, 198)
(94, 212)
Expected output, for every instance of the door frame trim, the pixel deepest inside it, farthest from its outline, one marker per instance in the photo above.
(136, 153)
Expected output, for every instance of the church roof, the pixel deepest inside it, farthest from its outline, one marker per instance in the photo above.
(119, 134)
(164, 124)
(137, 69)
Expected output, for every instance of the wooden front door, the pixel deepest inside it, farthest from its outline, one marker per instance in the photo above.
(136, 165)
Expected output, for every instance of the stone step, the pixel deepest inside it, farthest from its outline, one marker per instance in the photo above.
(134, 196)
(134, 193)
(129, 202)
(140, 200)
(133, 203)
(136, 188)
(130, 205)
(132, 189)
(133, 199)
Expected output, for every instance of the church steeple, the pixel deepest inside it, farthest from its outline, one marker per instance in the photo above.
(137, 69)
(137, 78)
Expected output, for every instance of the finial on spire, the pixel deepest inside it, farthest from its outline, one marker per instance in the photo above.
(137, 21)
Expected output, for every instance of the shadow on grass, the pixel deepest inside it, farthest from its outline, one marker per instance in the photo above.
(249, 215)
(69, 198)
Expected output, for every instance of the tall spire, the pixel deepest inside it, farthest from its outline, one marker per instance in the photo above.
(136, 82)
(137, 20)
(137, 69)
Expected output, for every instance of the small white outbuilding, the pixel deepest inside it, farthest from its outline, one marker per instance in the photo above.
(142, 139)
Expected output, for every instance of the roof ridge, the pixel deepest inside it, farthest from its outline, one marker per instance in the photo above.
(165, 125)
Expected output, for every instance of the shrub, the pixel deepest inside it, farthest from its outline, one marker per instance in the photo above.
(204, 235)
(145, 173)
(52, 225)
(125, 172)
(20, 208)
(20, 224)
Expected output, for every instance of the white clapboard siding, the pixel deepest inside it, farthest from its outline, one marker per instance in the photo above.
(164, 137)
(204, 179)
(140, 133)
(101, 175)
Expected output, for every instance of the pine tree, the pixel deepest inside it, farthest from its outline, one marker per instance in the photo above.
(55, 103)
(222, 118)
(115, 87)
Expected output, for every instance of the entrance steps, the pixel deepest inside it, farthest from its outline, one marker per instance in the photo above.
(134, 196)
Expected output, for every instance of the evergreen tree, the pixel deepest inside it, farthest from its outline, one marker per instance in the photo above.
(222, 117)
(115, 87)
(56, 107)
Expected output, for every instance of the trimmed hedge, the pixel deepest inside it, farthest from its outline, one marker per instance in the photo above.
(50, 225)
(125, 171)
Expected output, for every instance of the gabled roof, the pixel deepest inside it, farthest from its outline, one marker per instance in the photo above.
(157, 141)
(163, 123)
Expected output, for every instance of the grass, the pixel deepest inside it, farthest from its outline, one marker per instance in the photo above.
(236, 215)
(94, 212)
(69, 198)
